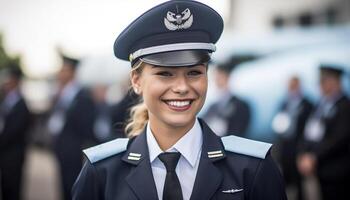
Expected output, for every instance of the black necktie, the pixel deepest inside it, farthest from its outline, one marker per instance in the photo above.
(172, 187)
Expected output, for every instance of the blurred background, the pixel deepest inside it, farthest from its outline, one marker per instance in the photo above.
(264, 44)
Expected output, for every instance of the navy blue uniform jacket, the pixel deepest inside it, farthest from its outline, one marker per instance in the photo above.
(118, 177)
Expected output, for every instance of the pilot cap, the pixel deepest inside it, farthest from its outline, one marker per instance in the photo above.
(331, 69)
(175, 33)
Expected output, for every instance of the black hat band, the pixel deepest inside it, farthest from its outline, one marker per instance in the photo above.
(172, 47)
(181, 58)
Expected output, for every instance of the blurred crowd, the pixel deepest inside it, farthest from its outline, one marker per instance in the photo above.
(79, 117)
(312, 138)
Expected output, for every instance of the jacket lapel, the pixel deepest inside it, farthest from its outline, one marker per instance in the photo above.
(209, 176)
(138, 156)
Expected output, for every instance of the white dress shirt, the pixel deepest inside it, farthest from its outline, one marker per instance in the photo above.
(11, 99)
(190, 146)
(57, 119)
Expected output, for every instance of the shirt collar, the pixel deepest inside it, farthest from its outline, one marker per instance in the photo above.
(13, 94)
(69, 92)
(332, 98)
(189, 145)
(153, 147)
(11, 99)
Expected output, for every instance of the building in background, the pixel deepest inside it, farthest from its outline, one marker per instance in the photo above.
(262, 16)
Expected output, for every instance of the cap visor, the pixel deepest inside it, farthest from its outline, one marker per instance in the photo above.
(178, 58)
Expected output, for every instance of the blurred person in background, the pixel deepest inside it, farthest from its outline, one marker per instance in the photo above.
(289, 124)
(70, 123)
(15, 120)
(111, 119)
(103, 116)
(326, 150)
(230, 115)
(121, 111)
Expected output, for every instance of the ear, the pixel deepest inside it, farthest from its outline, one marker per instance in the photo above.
(135, 78)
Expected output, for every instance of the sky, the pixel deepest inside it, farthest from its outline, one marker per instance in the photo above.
(35, 29)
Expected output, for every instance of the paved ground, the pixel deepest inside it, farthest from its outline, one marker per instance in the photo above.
(41, 178)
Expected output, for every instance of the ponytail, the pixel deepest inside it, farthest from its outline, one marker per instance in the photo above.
(138, 113)
(138, 120)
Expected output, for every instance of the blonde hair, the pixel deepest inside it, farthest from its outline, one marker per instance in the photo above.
(138, 113)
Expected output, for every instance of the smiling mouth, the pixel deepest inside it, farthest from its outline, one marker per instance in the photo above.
(179, 105)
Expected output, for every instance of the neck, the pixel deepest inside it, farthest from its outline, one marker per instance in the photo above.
(9, 91)
(333, 94)
(64, 84)
(167, 135)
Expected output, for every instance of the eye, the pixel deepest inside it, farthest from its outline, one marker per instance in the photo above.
(164, 73)
(194, 73)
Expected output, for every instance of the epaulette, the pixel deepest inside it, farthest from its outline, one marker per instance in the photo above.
(106, 150)
(246, 146)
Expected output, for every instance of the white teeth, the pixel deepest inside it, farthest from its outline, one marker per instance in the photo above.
(178, 103)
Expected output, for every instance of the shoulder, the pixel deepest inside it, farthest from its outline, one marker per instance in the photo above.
(253, 160)
(83, 99)
(20, 108)
(21, 103)
(344, 102)
(306, 102)
(341, 108)
(245, 146)
(83, 93)
(106, 150)
(240, 101)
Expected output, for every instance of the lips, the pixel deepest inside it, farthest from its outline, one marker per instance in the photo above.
(179, 105)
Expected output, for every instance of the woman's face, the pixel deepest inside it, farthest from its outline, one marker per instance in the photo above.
(173, 95)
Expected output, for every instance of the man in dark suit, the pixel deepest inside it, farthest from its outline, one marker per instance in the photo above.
(327, 137)
(14, 123)
(230, 115)
(70, 123)
(120, 113)
(289, 125)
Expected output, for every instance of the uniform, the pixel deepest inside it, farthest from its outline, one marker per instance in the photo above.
(15, 120)
(332, 151)
(71, 126)
(231, 116)
(296, 111)
(327, 135)
(119, 114)
(70, 123)
(226, 171)
(230, 113)
(183, 34)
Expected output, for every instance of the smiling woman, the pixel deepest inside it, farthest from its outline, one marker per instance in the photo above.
(172, 154)
(173, 97)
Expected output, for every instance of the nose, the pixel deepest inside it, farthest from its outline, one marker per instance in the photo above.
(181, 85)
